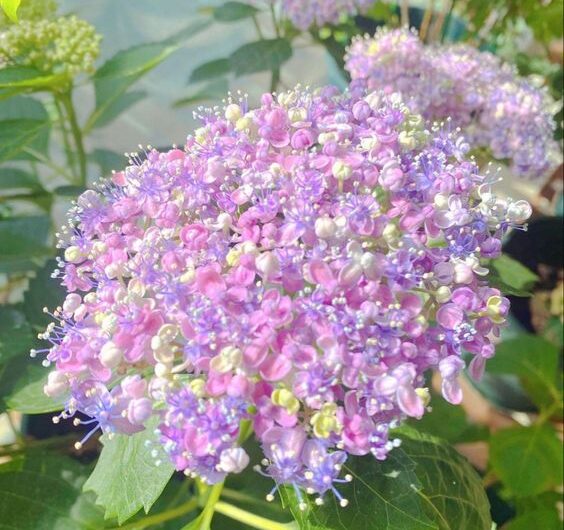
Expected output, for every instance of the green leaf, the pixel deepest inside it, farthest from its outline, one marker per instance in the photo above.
(17, 134)
(232, 11)
(15, 180)
(117, 74)
(214, 90)
(28, 108)
(535, 361)
(19, 78)
(511, 277)
(10, 7)
(210, 70)
(119, 106)
(126, 477)
(44, 493)
(259, 56)
(107, 161)
(449, 422)
(15, 333)
(547, 519)
(528, 460)
(43, 291)
(21, 387)
(425, 484)
(23, 242)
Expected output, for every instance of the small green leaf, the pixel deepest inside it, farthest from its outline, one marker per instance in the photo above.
(528, 460)
(535, 361)
(126, 477)
(10, 7)
(232, 11)
(511, 277)
(23, 241)
(117, 74)
(547, 519)
(259, 56)
(210, 70)
(21, 386)
(214, 90)
(15, 333)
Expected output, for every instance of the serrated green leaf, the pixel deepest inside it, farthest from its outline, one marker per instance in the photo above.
(117, 74)
(511, 277)
(535, 361)
(232, 11)
(17, 134)
(259, 56)
(449, 423)
(126, 477)
(424, 484)
(119, 106)
(44, 493)
(21, 387)
(528, 460)
(210, 70)
(10, 7)
(214, 90)
(23, 242)
(15, 333)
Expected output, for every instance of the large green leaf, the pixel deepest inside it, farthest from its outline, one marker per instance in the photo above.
(107, 161)
(117, 74)
(535, 361)
(15, 180)
(124, 102)
(511, 277)
(17, 79)
(44, 492)
(126, 477)
(232, 11)
(259, 56)
(23, 241)
(15, 333)
(21, 387)
(528, 460)
(210, 70)
(425, 484)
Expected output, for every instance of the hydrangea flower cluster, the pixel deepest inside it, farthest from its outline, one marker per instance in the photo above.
(307, 13)
(56, 45)
(296, 268)
(495, 108)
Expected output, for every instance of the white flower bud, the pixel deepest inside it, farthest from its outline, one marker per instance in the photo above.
(232, 112)
(57, 384)
(110, 355)
(442, 294)
(267, 264)
(73, 254)
(325, 227)
(341, 170)
(72, 303)
(233, 460)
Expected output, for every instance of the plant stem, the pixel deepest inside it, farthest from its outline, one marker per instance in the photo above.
(185, 508)
(71, 161)
(257, 27)
(209, 508)
(404, 13)
(250, 519)
(66, 100)
(274, 79)
(49, 163)
(274, 21)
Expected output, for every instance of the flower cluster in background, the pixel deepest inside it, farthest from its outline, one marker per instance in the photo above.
(299, 267)
(47, 42)
(495, 108)
(305, 14)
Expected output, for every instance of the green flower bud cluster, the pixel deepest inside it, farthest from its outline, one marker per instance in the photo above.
(31, 10)
(61, 45)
